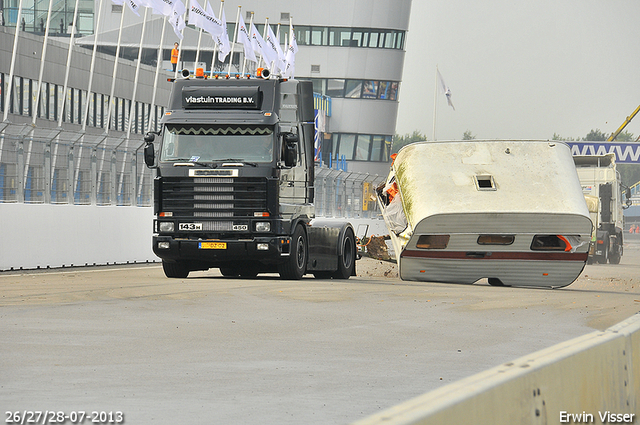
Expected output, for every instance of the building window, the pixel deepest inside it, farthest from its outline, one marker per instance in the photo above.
(348, 37)
(335, 87)
(353, 89)
(362, 147)
(370, 89)
(345, 146)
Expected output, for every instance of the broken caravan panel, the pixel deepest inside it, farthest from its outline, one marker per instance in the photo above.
(509, 211)
(234, 185)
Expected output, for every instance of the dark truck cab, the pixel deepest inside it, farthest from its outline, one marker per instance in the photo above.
(234, 183)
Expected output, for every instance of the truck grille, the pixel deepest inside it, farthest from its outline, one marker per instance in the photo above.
(214, 197)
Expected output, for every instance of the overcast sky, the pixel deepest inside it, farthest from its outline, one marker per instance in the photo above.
(522, 69)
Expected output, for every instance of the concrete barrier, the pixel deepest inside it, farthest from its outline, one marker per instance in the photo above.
(44, 235)
(591, 379)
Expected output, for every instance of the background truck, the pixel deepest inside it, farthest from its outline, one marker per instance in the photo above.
(600, 179)
(234, 183)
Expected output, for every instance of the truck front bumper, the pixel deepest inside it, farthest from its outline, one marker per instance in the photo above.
(268, 249)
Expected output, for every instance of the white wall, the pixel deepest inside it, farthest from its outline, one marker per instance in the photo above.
(35, 235)
(594, 373)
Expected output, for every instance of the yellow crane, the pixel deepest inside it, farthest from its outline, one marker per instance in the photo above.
(624, 124)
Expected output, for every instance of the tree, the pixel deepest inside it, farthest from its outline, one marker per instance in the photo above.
(560, 138)
(468, 136)
(401, 141)
(595, 136)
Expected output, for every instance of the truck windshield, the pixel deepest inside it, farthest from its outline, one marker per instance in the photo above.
(211, 143)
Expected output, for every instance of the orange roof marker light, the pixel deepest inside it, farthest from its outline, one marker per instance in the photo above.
(199, 72)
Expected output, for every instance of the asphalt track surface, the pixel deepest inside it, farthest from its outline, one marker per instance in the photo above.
(213, 350)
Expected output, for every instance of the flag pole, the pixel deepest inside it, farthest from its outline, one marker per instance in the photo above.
(200, 37)
(7, 100)
(115, 73)
(175, 74)
(264, 36)
(42, 61)
(135, 78)
(155, 80)
(244, 65)
(91, 68)
(235, 39)
(66, 74)
(435, 104)
(215, 45)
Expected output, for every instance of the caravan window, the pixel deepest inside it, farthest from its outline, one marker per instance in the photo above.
(433, 241)
(496, 239)
(549, 243)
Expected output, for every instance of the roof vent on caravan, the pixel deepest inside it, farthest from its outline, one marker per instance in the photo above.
(485, 182)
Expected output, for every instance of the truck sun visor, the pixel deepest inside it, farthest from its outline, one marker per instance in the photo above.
(218, 130)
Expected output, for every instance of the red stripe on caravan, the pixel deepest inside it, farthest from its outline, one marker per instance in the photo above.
(466, 255)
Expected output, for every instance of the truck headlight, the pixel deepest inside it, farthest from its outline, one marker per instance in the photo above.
(166, 226)
(164, 245)
(263, 226)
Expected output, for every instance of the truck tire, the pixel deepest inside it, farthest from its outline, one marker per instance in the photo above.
(605, 256)
(296, 265)
(616, 254)
(175, 270)
(346, 261)
(229, 272)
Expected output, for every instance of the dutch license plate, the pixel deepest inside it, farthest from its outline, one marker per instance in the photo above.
(212, 245)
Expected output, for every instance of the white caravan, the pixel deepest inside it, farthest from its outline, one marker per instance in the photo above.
(509, 211)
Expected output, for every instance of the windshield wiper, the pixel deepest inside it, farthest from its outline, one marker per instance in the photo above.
(187, 161)
(253, 164)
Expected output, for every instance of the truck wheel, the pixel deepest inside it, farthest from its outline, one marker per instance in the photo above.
(228, 272)
(175, 270)
(296, 265)
(347, 261)
(614, 257)
(249, 271)
(604, 257)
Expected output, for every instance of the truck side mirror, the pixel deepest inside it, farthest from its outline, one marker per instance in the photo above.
(149, 151)
(290, 149)
(628, 196)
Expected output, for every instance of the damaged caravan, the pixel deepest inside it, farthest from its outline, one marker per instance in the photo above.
(512, 212)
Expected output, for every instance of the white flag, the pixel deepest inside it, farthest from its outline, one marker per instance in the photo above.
(165, 7)
(445, 90)
(245, 39)
(205, 20)
(221, 38)
(176, 19)
(274, 46)
(290, 58)
(134, 6)
(260, 46)
(155, 5)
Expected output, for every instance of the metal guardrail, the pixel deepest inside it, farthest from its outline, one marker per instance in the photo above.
(54, 166)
